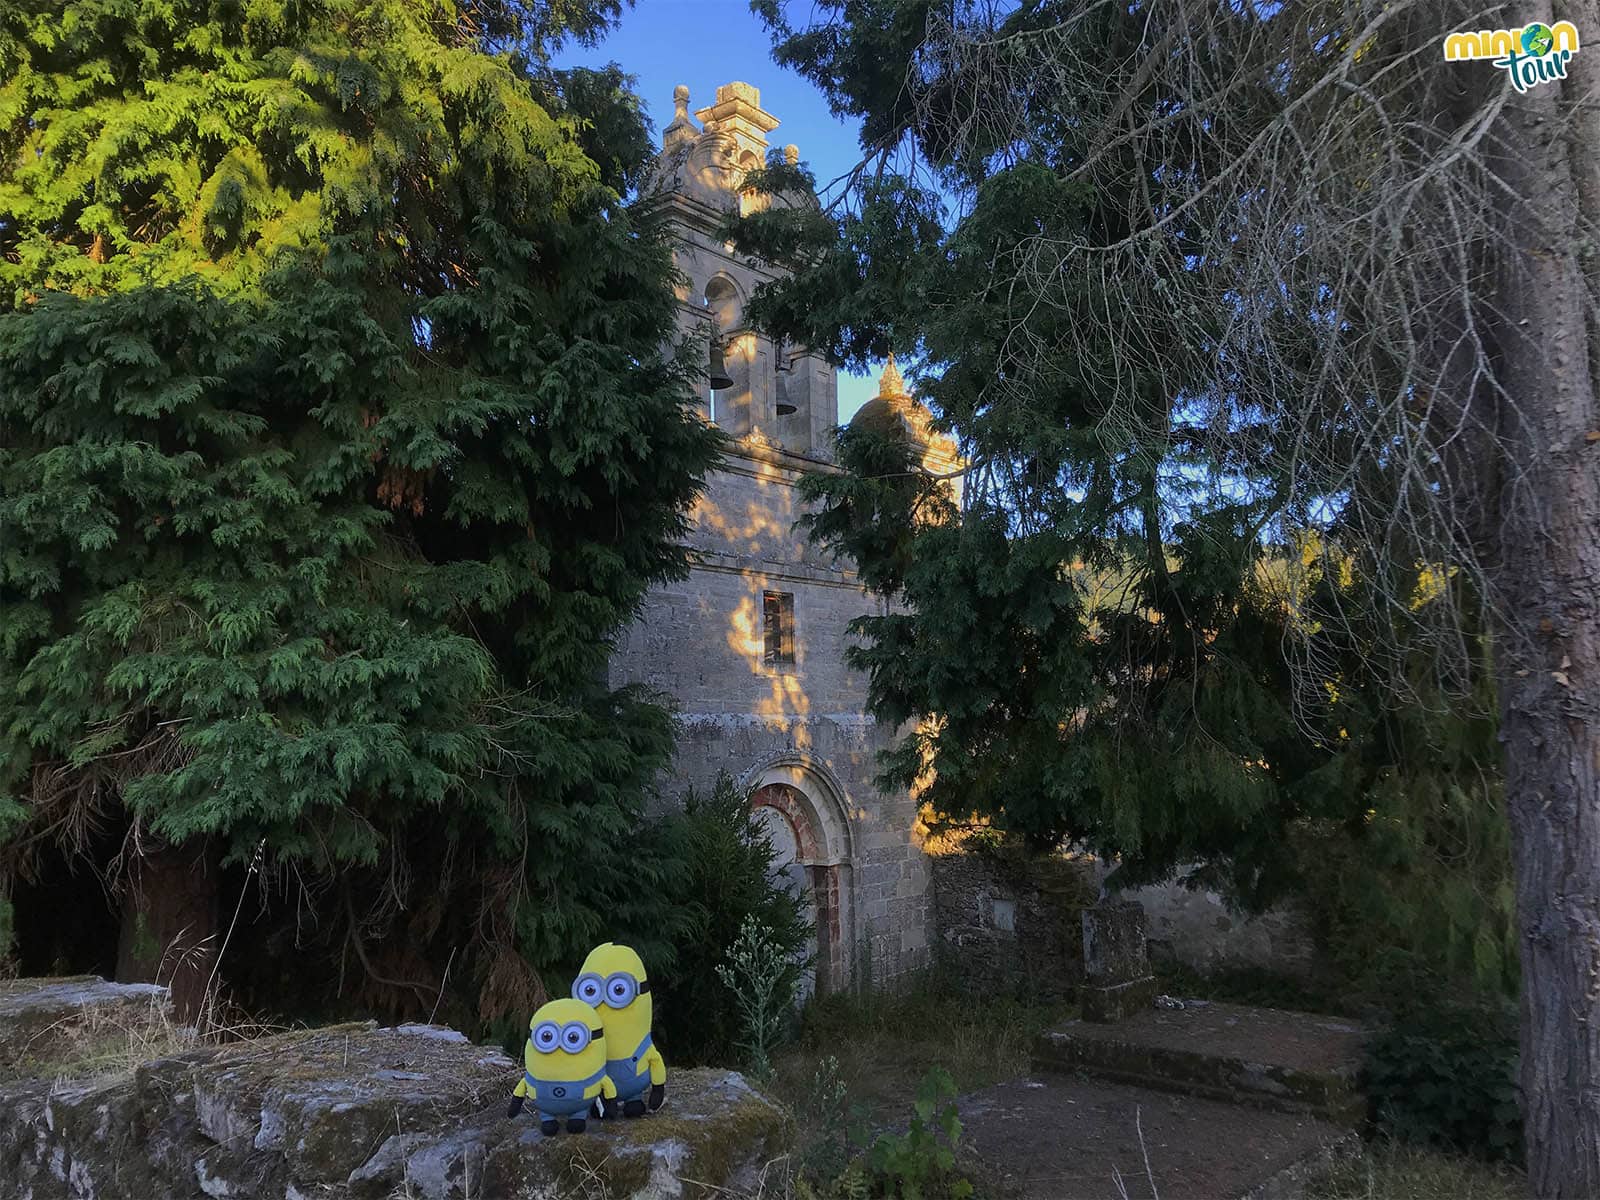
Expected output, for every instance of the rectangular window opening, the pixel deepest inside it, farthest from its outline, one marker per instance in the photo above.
(777, 614)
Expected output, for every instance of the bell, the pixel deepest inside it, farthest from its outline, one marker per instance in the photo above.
(719, 370)
(784, 367)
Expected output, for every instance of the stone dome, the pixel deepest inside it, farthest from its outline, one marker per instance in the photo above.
(889, 411)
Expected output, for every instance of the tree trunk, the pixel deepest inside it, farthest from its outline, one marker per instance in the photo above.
(169, 923)
(1549, 589)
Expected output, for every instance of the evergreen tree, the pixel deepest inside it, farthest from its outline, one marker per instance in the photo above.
(1096, 645)
(1215, 275)
(340, 441)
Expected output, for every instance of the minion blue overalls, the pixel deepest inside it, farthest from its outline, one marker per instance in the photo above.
(554, 1098)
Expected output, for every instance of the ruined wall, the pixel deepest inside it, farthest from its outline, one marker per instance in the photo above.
(118, 1103)
(1194, 929)
(700, 642)
(1010, 925)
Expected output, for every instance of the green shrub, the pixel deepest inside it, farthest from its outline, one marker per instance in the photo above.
(761, 977)
(920, 1164)
(1449, 1079)
(726, 878)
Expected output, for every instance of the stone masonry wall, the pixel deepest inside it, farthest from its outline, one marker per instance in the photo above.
(1195, 929)
(1011, 925)
(700, 642)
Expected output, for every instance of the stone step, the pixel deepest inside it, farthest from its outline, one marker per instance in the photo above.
(1289, 1061)
(1052, 1137)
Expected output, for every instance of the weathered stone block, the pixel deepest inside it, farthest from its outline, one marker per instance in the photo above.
(1114, 949)
(1294, 1062)
(44, 1022)
(366, 1113)
(1009, 922)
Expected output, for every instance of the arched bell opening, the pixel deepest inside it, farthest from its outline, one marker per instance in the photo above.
(728, 364)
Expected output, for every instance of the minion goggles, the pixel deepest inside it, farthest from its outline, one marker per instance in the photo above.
(614, 991)
(573, 1037)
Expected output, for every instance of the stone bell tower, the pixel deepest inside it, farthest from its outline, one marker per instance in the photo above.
(750, 649)
(780, 395)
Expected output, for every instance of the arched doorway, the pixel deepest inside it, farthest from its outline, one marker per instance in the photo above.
(772, 811)
(802, 813)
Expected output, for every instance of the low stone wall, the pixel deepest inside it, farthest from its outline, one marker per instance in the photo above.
(1009, 924)
(1194, 929)
(351, 1111)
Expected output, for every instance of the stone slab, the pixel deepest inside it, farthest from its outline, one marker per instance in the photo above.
(1051, 1137)
(1294, 1062)
(1116, 1002)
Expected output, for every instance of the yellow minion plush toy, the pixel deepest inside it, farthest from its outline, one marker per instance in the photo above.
(564, 1066)
(613, 981)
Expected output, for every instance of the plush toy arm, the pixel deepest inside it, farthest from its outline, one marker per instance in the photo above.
(521, 1089)
(658, 1067)
(516, 1106)
(607, 1088)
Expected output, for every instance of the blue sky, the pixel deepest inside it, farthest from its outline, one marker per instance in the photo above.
(705, 43)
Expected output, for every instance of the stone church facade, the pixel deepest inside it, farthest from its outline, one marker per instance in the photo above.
(751, 647)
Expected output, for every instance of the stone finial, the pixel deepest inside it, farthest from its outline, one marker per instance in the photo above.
(891, 386)
(682, 128)
(791, 154)
(739, 90)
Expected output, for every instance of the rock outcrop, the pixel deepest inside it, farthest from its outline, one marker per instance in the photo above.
(352, 1111)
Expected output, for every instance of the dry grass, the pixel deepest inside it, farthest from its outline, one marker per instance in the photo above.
(1389, 1171)
(107, 1040)
(886, 1044)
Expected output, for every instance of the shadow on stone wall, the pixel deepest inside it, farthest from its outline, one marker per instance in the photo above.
(1009, 923)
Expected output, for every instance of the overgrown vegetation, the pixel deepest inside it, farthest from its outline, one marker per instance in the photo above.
(1447, 1078)
(339, 442)
(882, 1045)
(840, 1156)
(1233, 306)
(1385, 1171)
(761, 979)
(727, 880)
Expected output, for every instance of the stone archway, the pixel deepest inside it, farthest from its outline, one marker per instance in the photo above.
(803, 811)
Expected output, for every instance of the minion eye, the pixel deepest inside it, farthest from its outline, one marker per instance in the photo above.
(574, 1037)
(587, 989)
(546, 1036)
(619, 991)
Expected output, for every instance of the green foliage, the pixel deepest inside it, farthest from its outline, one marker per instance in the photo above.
(1447, 1078)
(339, 444)
(761, 979)
(920, 1164)
(725, 880)
(824, 1114)
(1084, 649)
(154, 141)
(1092, 644)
